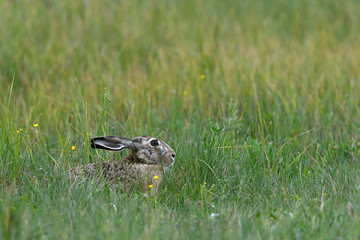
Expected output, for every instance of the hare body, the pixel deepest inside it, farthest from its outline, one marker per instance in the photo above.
(143, 166)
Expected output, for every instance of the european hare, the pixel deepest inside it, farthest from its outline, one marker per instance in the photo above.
(142, 166)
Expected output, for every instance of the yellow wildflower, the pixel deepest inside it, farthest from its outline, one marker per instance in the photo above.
(202, 76)
(156, 177)
(36, 125)
(18, 131)
(185, 93)
(150, 186)
(73, 148)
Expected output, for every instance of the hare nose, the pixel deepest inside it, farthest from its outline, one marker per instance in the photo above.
(173, 155)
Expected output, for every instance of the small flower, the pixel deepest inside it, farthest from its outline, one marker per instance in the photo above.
(20, 130)
(185, 93)
(150, 186)
(325, 194)
(73, 148)
(36, 125)
(156, 177)
(202, 76)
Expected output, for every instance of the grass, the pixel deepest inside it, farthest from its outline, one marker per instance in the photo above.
(260, 99)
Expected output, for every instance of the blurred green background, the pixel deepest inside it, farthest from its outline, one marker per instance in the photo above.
(260, 99)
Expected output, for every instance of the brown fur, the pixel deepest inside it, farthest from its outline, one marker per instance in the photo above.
(138, 168)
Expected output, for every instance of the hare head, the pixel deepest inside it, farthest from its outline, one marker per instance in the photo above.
(148, 150)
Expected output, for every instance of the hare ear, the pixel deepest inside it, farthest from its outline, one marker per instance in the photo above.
(112, 143)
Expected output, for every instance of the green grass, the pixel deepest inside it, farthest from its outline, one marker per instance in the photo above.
(267, 142)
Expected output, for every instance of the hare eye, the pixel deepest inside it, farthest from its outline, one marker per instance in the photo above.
(154, 143)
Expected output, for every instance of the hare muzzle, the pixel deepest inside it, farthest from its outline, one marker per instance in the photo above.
(168, 159)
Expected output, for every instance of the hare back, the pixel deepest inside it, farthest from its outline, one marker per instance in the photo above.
(125, 173)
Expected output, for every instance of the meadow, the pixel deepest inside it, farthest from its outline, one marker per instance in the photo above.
(260, 100)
